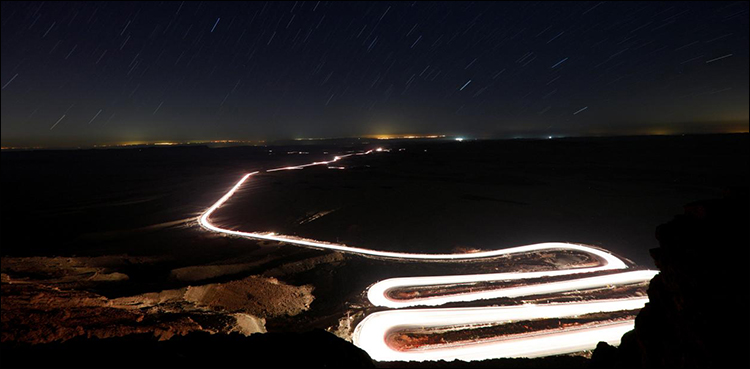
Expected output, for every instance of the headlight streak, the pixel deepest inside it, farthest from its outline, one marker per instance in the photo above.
(370, 333)
(378, 293)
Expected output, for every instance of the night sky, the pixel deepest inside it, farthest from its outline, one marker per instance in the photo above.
(85, 73)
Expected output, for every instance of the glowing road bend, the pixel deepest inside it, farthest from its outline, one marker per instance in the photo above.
(371, 333)
(378, 293)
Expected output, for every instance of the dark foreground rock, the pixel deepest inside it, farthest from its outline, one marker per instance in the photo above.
(314, 349)
(542, 362)
(698, 310)
(196, 350)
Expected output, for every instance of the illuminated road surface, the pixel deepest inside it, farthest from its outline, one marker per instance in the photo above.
(370, 334)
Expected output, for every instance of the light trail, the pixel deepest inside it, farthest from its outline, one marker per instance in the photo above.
(612, 262)
(370, 334)
(378, 293)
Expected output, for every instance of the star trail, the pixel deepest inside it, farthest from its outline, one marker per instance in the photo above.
(87, 73)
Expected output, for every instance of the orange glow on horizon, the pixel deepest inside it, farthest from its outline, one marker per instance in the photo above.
(394, 137)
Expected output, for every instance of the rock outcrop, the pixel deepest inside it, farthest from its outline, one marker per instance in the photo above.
(53, 308)
(698, 310)
(196, 350)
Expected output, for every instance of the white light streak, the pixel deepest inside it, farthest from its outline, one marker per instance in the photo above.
(58, 121)
(100, 57)
(49, 29)
(719, 58)
(612, 261)
(558, 63)
(415, 42)
(157, 108)
(386, 12)
(378, 293)
(126, 27)
(97, 114)
(370, 334)
(11, 80)
(466, 84)
(554, 38)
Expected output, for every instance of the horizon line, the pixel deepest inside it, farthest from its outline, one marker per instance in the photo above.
(286, 141)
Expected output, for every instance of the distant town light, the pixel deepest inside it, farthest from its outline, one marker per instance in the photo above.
(459, 139)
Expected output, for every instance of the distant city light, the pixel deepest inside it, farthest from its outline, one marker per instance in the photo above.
(396, 137)
(459, 139)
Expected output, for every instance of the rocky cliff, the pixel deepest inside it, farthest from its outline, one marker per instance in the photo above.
(698, 310)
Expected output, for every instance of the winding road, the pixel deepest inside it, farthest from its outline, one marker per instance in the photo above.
(372, 333)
